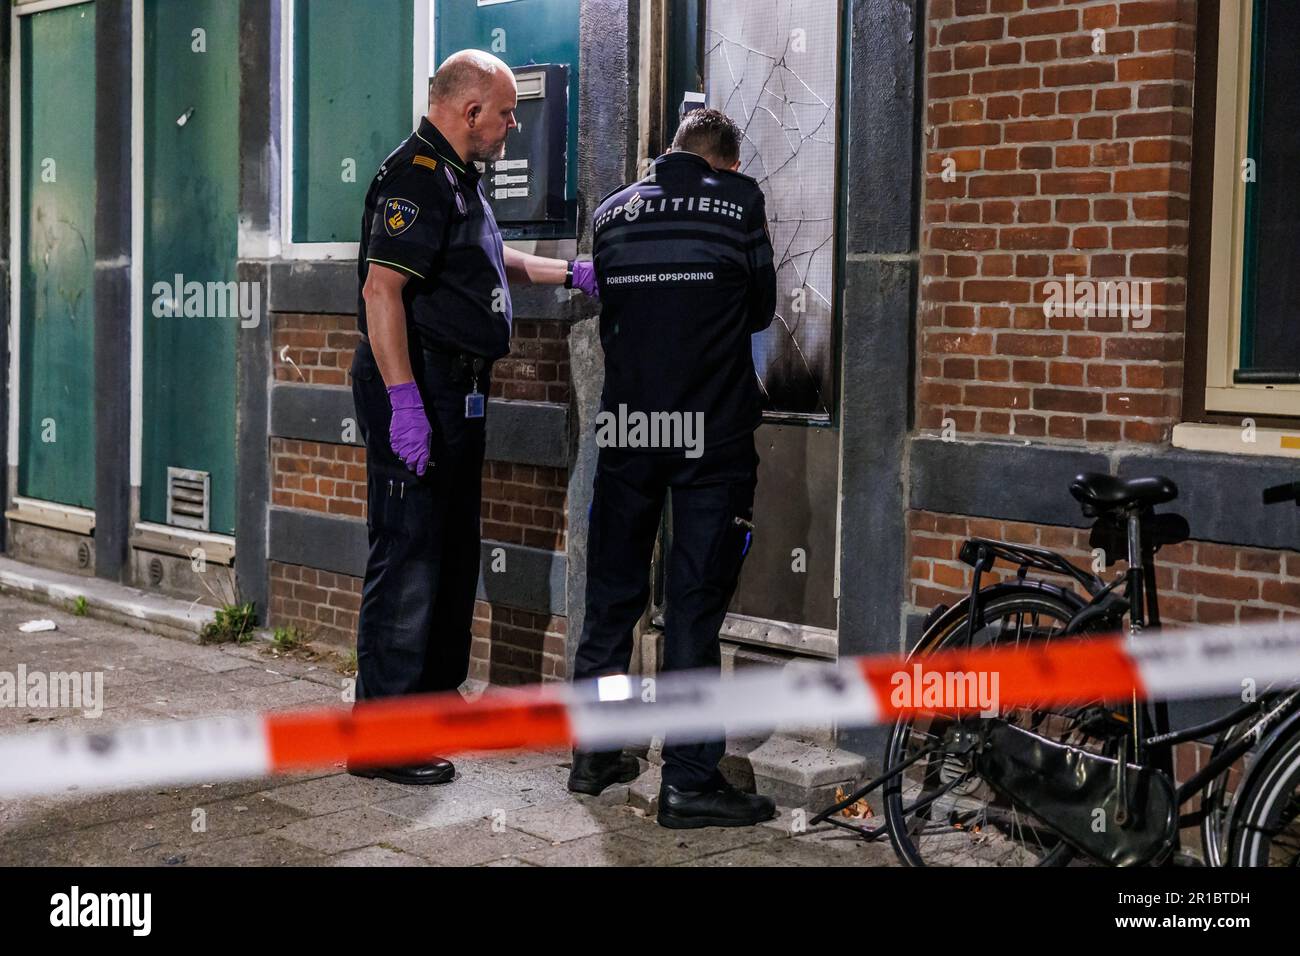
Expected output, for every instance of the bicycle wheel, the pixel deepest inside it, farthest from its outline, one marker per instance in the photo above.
(938, 810)
(1265, 827)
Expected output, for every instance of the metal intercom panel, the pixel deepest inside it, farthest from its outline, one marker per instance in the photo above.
(527, 187)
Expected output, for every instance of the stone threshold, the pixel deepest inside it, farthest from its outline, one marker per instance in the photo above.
(107, 600)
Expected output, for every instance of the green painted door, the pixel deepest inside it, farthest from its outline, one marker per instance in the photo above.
(56, 454)
(191, 201)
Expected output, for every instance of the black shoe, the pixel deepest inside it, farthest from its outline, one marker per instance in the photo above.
(436, 770)
(724, 806)
(593, 772)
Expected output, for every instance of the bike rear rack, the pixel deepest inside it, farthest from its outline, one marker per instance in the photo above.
(984, 550)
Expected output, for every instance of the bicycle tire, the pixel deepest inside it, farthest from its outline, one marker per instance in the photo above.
(950, 631)
(1269, 806)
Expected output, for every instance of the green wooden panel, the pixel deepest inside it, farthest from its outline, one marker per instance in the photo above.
(56, 354)
(191, 201)
(352, 97)
(520, 32)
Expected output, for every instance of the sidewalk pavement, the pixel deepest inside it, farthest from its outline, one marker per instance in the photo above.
(501, 810)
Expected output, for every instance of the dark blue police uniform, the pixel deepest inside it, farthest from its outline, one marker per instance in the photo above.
(426, 216)
(686, 275)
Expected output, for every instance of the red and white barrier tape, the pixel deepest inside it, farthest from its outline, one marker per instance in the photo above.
(1187, 663)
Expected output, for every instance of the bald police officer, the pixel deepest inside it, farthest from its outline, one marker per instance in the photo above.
(686, 276)
(434, 314)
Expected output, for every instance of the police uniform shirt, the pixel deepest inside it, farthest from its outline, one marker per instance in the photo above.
(686, 276)
(427, 217)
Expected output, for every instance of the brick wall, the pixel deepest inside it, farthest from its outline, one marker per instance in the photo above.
(522, 504)
(537, 368)
(312, 476)
(313, 349)
(1199, 582)
(1063, 161)
(515, 647)
(321, 604)
(525, 504)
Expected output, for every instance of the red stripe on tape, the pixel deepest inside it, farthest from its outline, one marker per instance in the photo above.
(1058, 673)
(406, 730)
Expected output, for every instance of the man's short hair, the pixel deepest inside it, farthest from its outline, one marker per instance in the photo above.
(461, 75)
(711, 134)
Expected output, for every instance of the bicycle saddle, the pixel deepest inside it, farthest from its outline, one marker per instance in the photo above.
(1098, 493)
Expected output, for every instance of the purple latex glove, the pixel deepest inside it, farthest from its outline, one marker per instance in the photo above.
(584, 277)
(409, 431)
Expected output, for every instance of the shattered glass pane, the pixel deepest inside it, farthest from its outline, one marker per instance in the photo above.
(772, 66)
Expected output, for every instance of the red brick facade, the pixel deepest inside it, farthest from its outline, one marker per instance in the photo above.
(321, 604)
(516, 647)
(1062, 161)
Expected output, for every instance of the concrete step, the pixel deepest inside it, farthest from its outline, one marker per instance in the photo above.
(796, 773)
(107, 600)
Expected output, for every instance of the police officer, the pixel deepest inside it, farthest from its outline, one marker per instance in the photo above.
(685, 270)
(434, 314)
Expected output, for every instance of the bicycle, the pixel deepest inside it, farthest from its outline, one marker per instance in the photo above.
(1094, 780)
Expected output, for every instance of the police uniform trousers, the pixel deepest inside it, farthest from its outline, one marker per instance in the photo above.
(417, 603)
(712, 506)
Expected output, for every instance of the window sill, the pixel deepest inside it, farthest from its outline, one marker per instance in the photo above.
(1230, 440)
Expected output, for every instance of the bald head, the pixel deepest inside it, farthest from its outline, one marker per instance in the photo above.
(472, 101)
(468, 73)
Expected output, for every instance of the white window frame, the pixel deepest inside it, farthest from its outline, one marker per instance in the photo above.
(22, 8)
(1232, 124)
(424, 63)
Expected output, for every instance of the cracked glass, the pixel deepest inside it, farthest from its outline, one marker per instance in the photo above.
(773, 67)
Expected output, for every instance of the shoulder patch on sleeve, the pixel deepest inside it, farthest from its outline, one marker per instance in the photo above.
(399, 215)
(428, 162)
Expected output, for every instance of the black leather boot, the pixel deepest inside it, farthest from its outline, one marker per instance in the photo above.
(436, 770)
(723, 806)
(593, 771)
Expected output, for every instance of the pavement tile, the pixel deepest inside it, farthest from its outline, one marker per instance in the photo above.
(571, 820)
(373, 856)
(449, 804)
(675, 846)
(347, 829)
(603, 849)
(77, 812)
(260, 849)
(152, 840)
(327, 794)
(467, 844)
(539, 783)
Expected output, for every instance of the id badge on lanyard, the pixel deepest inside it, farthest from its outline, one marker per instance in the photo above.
(475, 401)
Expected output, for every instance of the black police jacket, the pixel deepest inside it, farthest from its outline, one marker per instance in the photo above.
(427, 217)
(686, 275)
